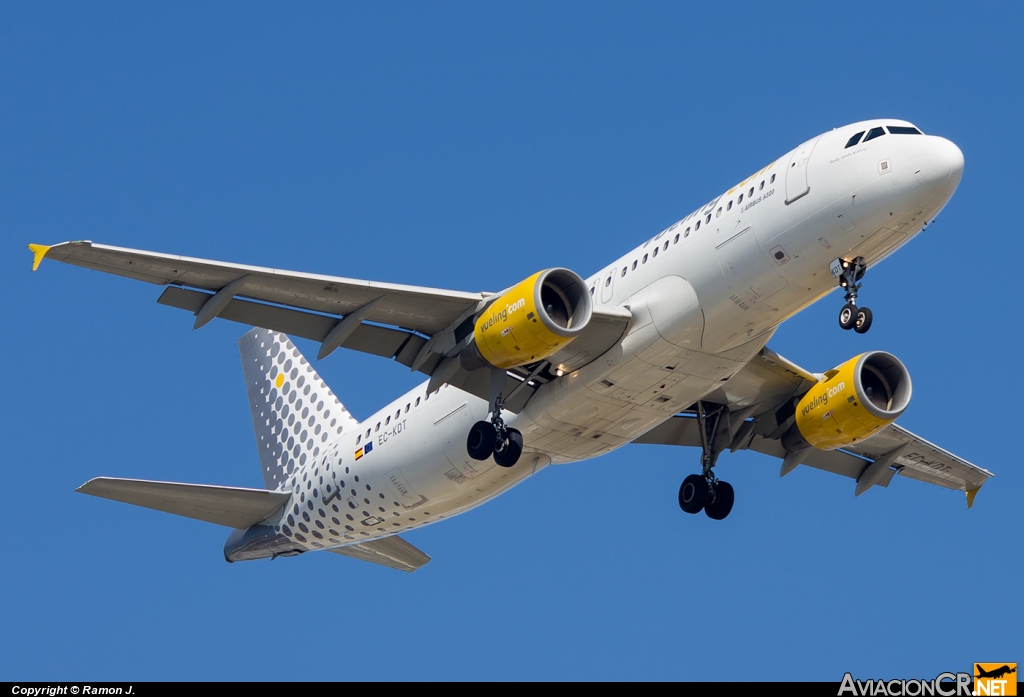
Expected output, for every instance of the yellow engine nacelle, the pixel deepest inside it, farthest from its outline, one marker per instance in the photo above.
(855, 401)
(530, 321)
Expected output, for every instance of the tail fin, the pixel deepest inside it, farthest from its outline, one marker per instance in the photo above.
(294, 413)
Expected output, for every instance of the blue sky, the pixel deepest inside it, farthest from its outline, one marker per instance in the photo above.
(465, 146)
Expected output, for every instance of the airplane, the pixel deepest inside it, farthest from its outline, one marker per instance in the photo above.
(995, 673)
(665, 345)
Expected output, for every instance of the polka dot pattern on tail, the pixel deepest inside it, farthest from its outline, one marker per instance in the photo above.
(267, 357)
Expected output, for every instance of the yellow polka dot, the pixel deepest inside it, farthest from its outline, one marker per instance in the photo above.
(280, 380)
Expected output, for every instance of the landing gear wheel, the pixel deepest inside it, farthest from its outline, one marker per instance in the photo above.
(721, 503)
(481, 441)
(508, 454)
(849, 273)
(693, 494)
(848, 316)
(863, 321)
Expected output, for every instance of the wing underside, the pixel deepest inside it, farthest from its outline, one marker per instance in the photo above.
(421, 328)
(752, 421)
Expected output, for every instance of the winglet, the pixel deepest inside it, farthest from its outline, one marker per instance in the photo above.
(39, 250)
(971, 493)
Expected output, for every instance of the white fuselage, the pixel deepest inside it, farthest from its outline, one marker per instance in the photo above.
(705, 295)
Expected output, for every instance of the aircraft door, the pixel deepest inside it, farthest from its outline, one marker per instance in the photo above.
(738, 257)
(607, 286)
(797, 185)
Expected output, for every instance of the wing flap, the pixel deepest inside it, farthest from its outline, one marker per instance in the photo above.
(233, 507)
(392, 552)
(923, 461)
(367, 338)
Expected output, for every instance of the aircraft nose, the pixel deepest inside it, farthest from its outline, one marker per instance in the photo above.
(945, 164)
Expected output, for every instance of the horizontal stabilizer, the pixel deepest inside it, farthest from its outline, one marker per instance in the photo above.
(233, 507)
(393, 552)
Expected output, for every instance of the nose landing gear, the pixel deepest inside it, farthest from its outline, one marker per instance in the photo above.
(849, 274)
(705, 491)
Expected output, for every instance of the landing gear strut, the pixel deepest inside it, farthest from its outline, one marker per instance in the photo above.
(849, 274)
(705, 491)
(493, 437)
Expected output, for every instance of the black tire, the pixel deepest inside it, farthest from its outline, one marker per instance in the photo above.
(848, 316)
(512, 448)
(480, 442)
(693, 494)
(718, 508)
(863, 323)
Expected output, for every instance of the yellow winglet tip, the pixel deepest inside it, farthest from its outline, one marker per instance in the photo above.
(971, 493)
(39, 251)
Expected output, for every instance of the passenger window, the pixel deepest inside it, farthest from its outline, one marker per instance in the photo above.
(377, 427)
(676, 240)
(772, 180)
(417, 401)
(634, 265)
(387, 421)
(697, 226)
(645, 259)
(854, 140)
(398, 413)
(665, 246)
(708, 219)
(719, 213)
(591, 290)
(407, 405)
(359, 438)
(623, 271)
(655, 251)
(729, 207)
(760, 188)
(608, 281)
(740, 199)
(751, 192)
(874, 133)
(686, 233)
(904, 131)
(367, 433)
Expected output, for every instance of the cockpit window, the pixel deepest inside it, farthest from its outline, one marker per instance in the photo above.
(874, 133)
(854, 140)
(904, 131)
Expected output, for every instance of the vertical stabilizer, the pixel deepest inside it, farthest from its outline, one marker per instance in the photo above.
(294, 413)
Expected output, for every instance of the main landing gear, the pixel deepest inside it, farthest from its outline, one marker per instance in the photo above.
(493, 437)
(849, 274)
(705, 491)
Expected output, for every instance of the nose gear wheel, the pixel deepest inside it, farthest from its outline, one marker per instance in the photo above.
(849, 274)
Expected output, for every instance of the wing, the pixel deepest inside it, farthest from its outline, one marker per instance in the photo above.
(422, 310)
(755, 418)
(426, 327)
